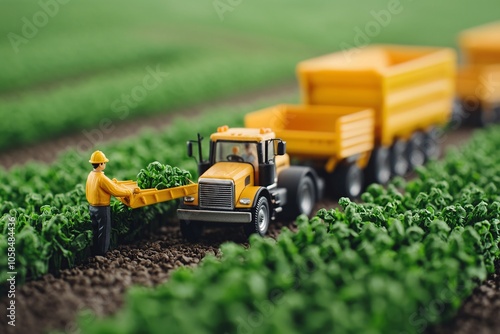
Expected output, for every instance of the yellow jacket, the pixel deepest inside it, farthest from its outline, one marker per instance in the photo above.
(99, 189)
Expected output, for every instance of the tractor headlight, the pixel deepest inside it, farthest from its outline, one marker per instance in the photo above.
(245, 201)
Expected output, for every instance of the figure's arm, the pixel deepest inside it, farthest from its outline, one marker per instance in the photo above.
(115, 189)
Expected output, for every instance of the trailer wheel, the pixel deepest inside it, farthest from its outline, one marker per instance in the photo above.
(486, 117)
(432, 149)
(347, 180)
(416, 150)
(191, 230)
(496, 114)
(458, 114)
(481, 117)
(379, 167)
(399, 160)
(261, 217)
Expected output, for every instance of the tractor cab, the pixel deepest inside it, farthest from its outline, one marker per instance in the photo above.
(256, 147)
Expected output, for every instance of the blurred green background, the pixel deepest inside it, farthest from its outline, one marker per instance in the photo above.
(69, 66)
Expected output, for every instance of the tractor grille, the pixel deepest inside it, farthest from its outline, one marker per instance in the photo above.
(216, 194)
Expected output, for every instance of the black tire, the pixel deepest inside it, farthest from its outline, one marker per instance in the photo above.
(261, 218)
(191, 230)
(306, 196)
(458, 115)
(399, 159)
(301, 192)
(472, 113)
(347, 180)
(496, 114)
(481, 117)
(432, 147)
(379, 167)
(416, 150)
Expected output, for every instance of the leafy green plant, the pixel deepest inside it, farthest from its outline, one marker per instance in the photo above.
(50, 236)
(160, 176)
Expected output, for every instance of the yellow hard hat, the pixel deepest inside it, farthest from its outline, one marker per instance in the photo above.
(98, 157)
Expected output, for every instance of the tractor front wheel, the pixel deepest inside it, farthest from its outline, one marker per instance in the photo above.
(261, 217)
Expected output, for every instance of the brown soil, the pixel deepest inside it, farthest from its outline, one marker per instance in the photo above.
(98, 285)
(480, 313)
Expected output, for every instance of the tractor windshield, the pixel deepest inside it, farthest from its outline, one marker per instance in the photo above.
(237, 152)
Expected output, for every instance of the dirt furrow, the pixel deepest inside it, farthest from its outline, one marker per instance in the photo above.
(480, 313)
(98, 286)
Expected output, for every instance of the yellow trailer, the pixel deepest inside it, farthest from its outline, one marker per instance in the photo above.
(478, 81)
(144, 197)
(331, 139)
(410, 88)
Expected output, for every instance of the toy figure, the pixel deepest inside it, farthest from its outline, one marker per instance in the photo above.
(249, 155)
(98, 191)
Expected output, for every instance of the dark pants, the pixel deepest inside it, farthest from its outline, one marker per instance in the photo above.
(101, 226)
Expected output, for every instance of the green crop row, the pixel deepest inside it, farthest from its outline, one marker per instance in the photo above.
(125, 34)
(100, 103)
(134, 35)
(404, 258)
(48, 201)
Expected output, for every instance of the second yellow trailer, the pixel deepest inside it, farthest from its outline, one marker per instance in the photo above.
(406, 93)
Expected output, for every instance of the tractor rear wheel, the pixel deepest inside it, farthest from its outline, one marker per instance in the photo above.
(301, 192)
